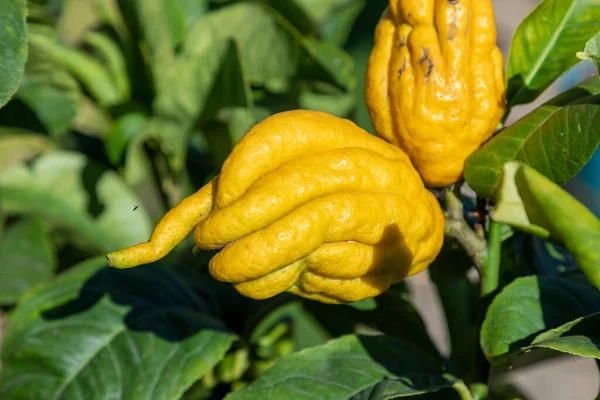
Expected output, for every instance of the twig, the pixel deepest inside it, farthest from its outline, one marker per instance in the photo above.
(458, 229)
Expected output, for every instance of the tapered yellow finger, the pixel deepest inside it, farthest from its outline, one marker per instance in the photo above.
(377, 91)
(362, 217)
(170, 231)
(452, 20)
(295, 183)
(285, 137)
(482, 28)
(271, 284)
(344, 290)
(415, 12)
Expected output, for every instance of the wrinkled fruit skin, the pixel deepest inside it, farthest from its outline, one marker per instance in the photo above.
(310, 204)
(435, 83)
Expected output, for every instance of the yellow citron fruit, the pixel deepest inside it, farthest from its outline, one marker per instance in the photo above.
(307, 203)
(435, 82)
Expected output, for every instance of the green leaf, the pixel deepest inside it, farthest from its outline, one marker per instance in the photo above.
(431, 389)
(198, 86)
(592, 51)
(346, 366)
(114, 59)
(68, 191)
(226, 130)
(51, 93)
(270, 47)
(545, 44)
(330, 20)
(26, 259)
(528, 307)
(122, 131)
(579, 337)
(533, 203)
(158, 26)
(558, 139)
(74, 19)
(136, 334)
(13, 36)
(17, 146)
(94, 76)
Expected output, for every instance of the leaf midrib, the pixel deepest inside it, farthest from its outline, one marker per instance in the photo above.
(93, 355)
(547, 49)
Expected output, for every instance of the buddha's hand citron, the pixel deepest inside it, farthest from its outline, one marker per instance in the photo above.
(435, 82)
(307, 203)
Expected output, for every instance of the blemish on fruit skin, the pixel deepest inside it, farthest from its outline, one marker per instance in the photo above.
(402, 68)
(425, 58)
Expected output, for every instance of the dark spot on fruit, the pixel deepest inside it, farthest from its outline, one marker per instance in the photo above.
(425, 58)
(402, 68)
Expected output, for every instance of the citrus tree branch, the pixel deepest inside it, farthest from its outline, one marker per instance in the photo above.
(458, 229)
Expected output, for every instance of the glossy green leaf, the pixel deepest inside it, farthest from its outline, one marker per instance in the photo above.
(528, 307)
(26, 259)
(17, 146)
(533, 203)
(432, 389)
(50, 92)
(13, 36)
(100, 332)
(68, 191)
(122, 131)
(579, 337)
(545, 44)
(557, 139)
(592, 51)
(94, 76)
(346, 366)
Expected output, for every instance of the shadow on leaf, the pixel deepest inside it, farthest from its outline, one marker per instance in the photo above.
(158, 301)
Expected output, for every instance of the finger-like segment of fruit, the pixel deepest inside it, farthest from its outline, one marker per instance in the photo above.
(285, 137)
(435, 82)
(311, 204)
(177, 223)
(293, 184)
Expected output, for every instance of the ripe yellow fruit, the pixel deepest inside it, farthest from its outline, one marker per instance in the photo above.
(435, 82)
(307, 203)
